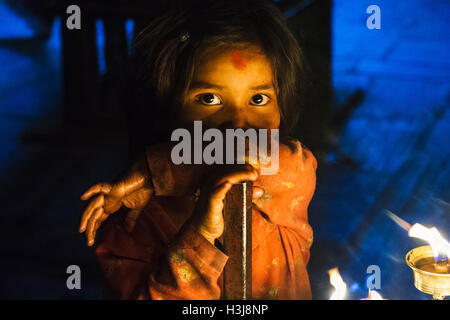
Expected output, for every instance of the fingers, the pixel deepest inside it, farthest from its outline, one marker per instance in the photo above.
(97, 202)
(98, 223)
(91, 228)
(220, 192)
(102, 187)
(257, 192)
(244, 173)
(138, 199)
(233, 175)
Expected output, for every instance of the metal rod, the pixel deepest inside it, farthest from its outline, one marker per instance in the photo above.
(237, 242)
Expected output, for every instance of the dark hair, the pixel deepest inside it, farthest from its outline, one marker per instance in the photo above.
(165, 52)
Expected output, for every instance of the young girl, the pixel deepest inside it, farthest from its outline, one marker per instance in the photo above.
(230, 65)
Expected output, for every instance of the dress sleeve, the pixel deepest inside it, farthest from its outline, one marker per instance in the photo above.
(287, 196)
(189, 270)
(145, 264)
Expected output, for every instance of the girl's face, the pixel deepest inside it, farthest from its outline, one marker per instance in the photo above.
(233, 88)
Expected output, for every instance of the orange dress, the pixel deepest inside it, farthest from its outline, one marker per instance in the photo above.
(158, 258)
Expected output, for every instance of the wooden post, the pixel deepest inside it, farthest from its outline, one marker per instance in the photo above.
(237, 242)
(80, 69)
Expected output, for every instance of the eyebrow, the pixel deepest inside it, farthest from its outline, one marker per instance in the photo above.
(207, 85)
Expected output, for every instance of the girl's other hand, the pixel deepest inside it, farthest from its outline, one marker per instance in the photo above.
(133, 190)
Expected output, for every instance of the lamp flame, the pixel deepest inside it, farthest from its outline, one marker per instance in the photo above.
(338, 284)
(439, 246)
(373, 295)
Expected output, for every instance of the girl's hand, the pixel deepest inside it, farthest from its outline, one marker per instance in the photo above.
(207, 218)
(133, 190)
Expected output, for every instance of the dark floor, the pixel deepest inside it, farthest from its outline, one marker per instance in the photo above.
(392, 154)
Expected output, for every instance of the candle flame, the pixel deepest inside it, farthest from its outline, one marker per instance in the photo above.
(373, 295)
(338, 284)
(439, 246)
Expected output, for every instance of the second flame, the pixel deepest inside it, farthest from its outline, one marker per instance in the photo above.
(338, 284)
(439, 246)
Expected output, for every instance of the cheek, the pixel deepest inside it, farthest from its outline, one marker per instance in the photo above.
(272, 122)
(189, 113)
(274, 116)
(267, 119)
(276, 121)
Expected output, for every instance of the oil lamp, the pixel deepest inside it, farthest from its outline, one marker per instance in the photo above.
(429, 276)
(430, 264)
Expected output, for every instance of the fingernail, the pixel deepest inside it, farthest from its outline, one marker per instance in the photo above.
(258, 192)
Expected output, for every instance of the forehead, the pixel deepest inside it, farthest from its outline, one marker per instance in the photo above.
(233, 62)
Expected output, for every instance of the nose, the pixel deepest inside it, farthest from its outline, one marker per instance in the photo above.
(235, 117)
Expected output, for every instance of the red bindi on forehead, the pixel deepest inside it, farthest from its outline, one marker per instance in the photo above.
(237, 60)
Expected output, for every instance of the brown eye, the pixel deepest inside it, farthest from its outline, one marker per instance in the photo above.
(209, 99)
(259, 100)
